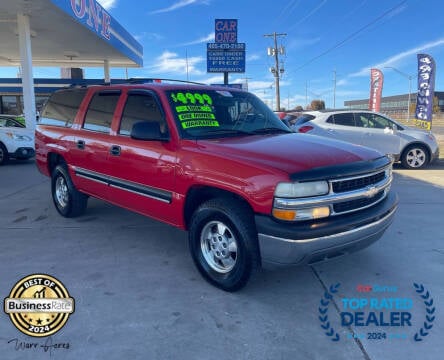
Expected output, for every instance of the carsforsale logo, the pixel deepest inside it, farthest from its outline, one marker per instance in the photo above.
(39, 305)
(378, 313)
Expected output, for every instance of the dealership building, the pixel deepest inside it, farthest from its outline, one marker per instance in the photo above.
(393, 105)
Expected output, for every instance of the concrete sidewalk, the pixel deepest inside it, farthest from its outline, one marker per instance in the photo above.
(138, 296)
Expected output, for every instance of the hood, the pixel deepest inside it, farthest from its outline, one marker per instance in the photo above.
(289, 152)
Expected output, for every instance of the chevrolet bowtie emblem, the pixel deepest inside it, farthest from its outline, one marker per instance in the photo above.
(371, 191)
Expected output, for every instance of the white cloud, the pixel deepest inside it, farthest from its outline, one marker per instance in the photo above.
(147, 35)
(205, 39)
(252, 57)
(396, 59)
(171, 63)
(108, 4)
(178, 5)
(300, 43)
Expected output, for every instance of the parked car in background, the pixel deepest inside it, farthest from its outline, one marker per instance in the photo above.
(291, 118)
(16, 141)
(414, 148)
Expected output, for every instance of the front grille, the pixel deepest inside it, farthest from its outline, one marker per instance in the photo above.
(357, 183)
(352, 205)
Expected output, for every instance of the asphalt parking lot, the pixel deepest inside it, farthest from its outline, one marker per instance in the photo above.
(138, 296)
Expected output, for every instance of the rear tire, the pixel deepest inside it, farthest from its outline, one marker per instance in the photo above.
(4, 156)
(415, 157)
(68, 201)
(223, 243)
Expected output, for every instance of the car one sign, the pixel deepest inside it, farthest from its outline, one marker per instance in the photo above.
(225, 30)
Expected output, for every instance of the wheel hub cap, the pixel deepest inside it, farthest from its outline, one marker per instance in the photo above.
(218, 246)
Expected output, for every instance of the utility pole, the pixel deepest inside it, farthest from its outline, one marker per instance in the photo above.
(246, 82)
(276, 71)
(334, 89)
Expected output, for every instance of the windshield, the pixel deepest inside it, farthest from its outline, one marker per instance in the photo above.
(222, 113)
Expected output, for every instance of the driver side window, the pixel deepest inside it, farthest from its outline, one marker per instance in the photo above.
(140, 108)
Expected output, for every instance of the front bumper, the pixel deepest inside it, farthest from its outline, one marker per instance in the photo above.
(283, 244)
(23, 153)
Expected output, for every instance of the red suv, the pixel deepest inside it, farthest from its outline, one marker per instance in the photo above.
(219, 163)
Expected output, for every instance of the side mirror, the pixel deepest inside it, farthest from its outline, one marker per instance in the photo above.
(147, 130)
(387, 130)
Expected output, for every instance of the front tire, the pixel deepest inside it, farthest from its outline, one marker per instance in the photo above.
(223, 243)
(68, 201)
(4, 156)
(415, 157)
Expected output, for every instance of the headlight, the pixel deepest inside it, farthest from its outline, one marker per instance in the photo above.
(305, 189)
(18, 137)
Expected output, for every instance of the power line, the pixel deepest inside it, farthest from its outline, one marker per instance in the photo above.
(352, 35)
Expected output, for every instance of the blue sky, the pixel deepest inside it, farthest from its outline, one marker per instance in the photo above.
(324, 37)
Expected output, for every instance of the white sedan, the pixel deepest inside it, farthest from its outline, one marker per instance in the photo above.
(414, 148)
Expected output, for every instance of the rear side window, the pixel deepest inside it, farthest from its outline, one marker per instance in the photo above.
(61, 108)
(344, 119)
(101, 110)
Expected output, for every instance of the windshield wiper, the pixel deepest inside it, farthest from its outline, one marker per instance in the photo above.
(220, 132)
(270, 130)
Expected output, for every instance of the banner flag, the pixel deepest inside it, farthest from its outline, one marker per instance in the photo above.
(426, 91)
(376, 82)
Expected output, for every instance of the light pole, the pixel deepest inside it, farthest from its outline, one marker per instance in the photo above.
(409, 77)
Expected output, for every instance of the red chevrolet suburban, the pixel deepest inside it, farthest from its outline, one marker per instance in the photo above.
(215, 161)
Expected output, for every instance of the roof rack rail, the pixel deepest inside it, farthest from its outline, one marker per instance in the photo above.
(154, 80)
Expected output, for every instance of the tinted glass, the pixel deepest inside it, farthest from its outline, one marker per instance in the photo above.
(140, 107)
(61, 108)
(100, 111)
(345, 119)
(220, 113)
(374, 121)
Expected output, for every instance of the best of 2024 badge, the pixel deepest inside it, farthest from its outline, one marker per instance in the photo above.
(39, 305)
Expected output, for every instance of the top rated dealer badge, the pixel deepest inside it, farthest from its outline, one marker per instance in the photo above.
(39, 305)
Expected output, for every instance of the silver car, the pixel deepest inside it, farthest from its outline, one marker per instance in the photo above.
(414, 148)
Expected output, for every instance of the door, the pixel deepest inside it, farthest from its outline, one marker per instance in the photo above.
(89, 154)
(378, 132)
(142, 172)
(342, 126)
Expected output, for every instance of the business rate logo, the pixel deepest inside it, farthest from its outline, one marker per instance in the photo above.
(39, 305)
(377, 313)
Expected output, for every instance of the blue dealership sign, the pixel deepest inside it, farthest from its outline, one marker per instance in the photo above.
(226, 57)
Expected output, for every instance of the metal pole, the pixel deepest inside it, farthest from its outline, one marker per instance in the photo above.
(277, 71)
(26, 63)
(409, 77)
(334, 90)
(276, 75)
(410, 94)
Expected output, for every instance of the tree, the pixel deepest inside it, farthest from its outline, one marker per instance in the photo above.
(298, 108)
(436, 109)
(317, 105)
